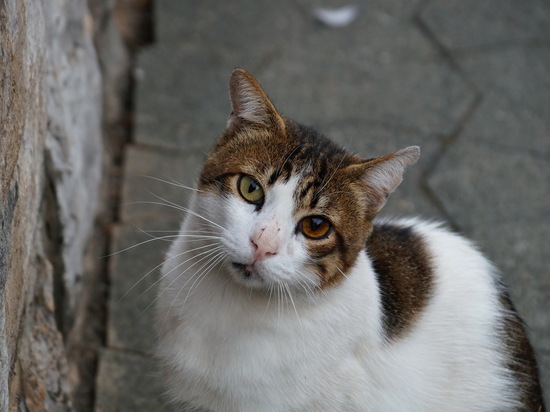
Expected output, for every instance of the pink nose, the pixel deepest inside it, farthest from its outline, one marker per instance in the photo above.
(265, 242)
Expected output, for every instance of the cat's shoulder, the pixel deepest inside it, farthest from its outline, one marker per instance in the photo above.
(419, 239)
(413, 260)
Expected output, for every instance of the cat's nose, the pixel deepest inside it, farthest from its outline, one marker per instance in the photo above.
(265, 242)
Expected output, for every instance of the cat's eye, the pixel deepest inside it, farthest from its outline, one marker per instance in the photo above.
(315, 227)
(250, 190)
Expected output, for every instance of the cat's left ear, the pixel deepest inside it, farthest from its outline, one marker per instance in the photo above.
(383, 174)
(249, 103)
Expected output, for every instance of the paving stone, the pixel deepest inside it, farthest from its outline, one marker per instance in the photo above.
(380, 9)
(481, 186)
(509, 126)
(129, 382)
(467, 24)
(233, 25)
(134, 276)
(382, 70)
(382, 67)
(182, 105)
(156, 175)
(516, 86)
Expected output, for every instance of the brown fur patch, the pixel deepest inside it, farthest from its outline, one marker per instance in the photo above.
(522, 361)
(404, 274)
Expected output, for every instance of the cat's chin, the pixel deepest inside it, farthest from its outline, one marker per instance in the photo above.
(247, 276)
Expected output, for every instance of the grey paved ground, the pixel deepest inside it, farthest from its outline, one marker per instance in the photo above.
(467, 80)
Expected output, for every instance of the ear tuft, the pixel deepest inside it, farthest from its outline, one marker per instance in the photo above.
(249, 102)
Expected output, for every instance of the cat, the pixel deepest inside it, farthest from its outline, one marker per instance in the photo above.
(283, 292)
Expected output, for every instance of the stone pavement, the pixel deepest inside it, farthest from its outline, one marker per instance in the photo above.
(468, 81)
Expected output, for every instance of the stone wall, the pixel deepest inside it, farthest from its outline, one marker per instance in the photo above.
(50, 174)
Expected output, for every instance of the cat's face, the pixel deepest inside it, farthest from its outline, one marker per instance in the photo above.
(295, 208)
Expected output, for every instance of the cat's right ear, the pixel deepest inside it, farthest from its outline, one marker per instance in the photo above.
(249, 103)
(383, 174)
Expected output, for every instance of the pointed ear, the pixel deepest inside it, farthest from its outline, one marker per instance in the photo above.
(249, 103)
(383, 174)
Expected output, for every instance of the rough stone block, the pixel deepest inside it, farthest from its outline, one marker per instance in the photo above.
(515, 111)
(129, 382)
(482, 186)
(473, 24)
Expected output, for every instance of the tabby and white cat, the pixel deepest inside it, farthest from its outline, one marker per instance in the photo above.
(284, 293)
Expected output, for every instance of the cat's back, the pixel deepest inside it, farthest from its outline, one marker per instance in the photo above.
(442, 300)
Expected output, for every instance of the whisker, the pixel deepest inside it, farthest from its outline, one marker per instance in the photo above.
(269, 299)
(289, 292)
(173, 182)
(286, 159)
(197, 274)
(218, 258)
(343, 274)
(203, 237)
(168, 203)
(173, 257)
(208, 256)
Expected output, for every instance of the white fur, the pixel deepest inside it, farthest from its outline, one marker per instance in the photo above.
(229, 347)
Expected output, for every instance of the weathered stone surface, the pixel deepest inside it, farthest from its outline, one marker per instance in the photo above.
(473, 24)
(515, 111)
(382, 64)
(22, 135)
(129, 382)
(43, 365)
(50, 170)
(73, 143)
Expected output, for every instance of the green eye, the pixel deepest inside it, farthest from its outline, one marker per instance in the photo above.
(250, 190)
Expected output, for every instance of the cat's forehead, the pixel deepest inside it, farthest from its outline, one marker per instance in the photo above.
(302, 151)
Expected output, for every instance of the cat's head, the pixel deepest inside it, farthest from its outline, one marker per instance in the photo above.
(295, 208)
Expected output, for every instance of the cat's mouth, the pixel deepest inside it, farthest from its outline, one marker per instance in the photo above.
(246, 273)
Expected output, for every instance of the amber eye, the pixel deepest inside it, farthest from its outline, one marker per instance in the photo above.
(250, 190)
(315, 227)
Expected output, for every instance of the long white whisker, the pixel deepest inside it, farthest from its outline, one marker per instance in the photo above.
(269, 299)
(173, 183)
(343, 274)
(173, 257)
(204, 237)
(208, 256)
(215, 260)
(288, 291)
(168, 203)
(195, 275)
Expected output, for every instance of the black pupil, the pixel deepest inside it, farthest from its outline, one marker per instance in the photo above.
(316, 223)
(253, 187)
